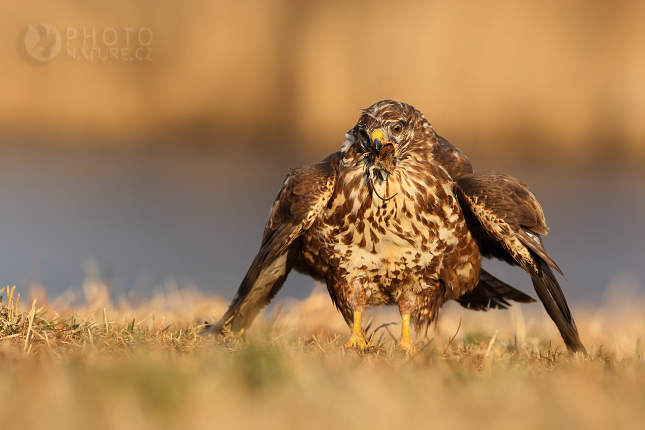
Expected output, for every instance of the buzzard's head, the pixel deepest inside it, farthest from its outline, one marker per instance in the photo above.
(388, 132)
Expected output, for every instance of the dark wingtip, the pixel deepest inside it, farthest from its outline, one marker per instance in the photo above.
(215, 329)
(552, 297)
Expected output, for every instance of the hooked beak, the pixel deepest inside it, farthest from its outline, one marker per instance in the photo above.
(378, 141)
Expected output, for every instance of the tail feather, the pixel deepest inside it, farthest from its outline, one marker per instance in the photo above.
(491, 293)
(552, 297)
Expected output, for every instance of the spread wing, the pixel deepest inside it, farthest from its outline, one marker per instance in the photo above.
(304, 194)
(506, 221)
(490, 292)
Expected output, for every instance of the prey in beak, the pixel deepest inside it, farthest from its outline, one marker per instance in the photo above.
(384, 152)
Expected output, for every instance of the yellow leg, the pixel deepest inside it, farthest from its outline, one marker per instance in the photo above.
(357, 340)
(405, 343)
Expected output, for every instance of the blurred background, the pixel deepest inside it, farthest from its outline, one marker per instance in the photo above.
(143, 142)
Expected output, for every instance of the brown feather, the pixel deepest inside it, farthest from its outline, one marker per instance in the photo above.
(400, 219)
(452, 159)
(506, 220)
(305, 193)
(491, 293)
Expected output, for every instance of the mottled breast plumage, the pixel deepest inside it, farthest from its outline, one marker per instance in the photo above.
(397, 217)
(392, 221)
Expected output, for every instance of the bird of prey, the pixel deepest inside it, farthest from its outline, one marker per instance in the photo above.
(398, 217)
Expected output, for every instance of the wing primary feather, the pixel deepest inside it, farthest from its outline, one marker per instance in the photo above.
(303, 195)
(506, 220)
(537, 247)
(260, 285)
(552, 297)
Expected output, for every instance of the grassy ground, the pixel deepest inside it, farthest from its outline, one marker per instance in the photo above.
(94, 364)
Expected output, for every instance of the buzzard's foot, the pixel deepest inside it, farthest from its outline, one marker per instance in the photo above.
(405, 345)
(358, 339)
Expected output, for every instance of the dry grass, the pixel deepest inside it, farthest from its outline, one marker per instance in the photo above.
(96, 364)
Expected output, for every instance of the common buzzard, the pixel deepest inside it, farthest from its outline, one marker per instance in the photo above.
(397, 217)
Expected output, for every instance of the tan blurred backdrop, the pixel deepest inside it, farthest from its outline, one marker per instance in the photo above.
(540, 80)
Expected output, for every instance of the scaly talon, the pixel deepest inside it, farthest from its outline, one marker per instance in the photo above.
(405, 344)
(357, 340)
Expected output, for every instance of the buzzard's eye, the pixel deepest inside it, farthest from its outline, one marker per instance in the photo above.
(362, 134)
(397, 128)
